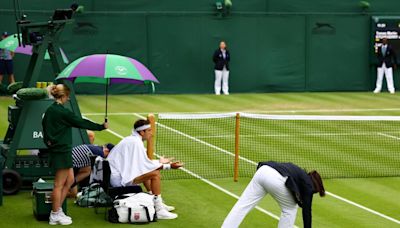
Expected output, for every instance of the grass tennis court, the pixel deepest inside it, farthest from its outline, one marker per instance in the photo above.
(352, 202)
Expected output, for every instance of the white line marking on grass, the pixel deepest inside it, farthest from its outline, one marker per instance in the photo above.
(115, 133)
(325, 110)
(108, 130)
(109, 114)
(297, 135)
(363, 207)
(264, 111)
(388, 136)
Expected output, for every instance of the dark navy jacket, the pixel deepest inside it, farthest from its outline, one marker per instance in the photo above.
(389, 59)
(220, 61)
(299, 184)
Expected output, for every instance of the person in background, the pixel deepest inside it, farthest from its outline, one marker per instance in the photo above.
(57, 124)
(288, 184)
(221, 59)
(387, 61)
(6, 63)
(91, 136)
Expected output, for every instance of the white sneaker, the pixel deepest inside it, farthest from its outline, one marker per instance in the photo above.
(168, 208)
(57, 219)
(164, 214)
(392, 92)
(63, 214)
(377, 91)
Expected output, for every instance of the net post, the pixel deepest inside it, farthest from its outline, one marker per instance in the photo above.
(150, 142)
(236, 168)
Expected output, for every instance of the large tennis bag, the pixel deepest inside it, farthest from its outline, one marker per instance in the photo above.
(133, 208)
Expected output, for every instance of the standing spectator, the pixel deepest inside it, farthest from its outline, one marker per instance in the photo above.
(57, 135)
(6, 63)
(386, 63)
(221, 59)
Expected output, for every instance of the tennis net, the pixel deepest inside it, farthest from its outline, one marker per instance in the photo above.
(336, 146)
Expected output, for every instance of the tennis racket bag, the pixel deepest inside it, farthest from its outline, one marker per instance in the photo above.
(133, 208)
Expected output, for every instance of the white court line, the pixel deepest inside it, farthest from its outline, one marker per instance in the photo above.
(207, 181)
(326, 110)
(109, 114)
(363, 207)
(296, 135)
(265, 111)
(388, 136)
(252, 162)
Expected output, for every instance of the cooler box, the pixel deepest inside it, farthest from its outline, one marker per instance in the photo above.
(41, 201)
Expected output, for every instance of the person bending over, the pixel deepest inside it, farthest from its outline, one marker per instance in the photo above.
(288, 184)
(130, 165)
(81, 161)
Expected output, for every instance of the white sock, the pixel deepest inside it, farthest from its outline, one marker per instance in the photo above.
(158, 202)
(150, 192)
(55, 212)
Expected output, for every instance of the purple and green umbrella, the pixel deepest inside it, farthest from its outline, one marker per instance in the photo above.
(107, 69)
(11, 43)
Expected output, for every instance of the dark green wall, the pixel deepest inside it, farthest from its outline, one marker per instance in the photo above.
(275, 45)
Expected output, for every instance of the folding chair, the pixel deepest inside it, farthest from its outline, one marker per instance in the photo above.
(113, 192)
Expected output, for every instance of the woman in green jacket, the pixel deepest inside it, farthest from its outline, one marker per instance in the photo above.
(57, 128)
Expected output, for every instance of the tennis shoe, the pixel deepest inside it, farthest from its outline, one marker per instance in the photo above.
(63, 214)
(168, 208)
(164, 214)
(56, 218)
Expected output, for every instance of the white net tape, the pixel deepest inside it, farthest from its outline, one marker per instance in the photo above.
(274, 117)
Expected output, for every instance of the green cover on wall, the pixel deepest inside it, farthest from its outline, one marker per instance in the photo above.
(274, 45)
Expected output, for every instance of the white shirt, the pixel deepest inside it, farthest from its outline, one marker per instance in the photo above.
(128, 160)
(223, 53)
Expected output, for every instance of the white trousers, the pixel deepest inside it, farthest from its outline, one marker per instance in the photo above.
(266, 180)
(388, 71)
(224, 76)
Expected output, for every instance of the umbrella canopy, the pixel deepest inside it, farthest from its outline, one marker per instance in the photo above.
(107, 69)
(11, 43)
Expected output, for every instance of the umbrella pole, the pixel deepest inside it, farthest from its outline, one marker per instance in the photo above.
(106, 117)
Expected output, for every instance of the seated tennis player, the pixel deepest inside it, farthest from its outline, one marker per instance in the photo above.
(288, 184)
(130, 165)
